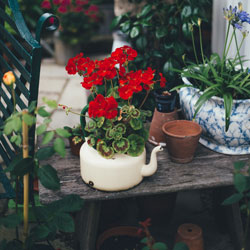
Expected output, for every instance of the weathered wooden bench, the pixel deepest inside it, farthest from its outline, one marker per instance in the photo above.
(207, 170)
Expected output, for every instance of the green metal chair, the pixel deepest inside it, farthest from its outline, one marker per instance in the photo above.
(21, 53)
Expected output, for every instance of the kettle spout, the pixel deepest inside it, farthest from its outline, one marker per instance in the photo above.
(151, 168)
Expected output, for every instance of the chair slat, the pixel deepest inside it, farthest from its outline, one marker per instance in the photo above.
(15, 61)
(6, 18)
(16, 45)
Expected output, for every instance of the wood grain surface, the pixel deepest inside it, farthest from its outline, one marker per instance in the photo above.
(208, 169)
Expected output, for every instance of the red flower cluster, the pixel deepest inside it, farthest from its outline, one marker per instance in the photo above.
(66, 6)
(105, 71)
(101, 106)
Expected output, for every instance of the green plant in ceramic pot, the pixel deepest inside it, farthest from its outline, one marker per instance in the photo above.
(216, 91)
(116, 128)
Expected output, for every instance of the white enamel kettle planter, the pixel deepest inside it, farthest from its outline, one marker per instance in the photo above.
(118, 173)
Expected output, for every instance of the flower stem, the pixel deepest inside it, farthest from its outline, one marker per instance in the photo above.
(201, 45)
(195, 54)
(225, 45)
(14, 97)
(228, 47)
(238, 50)
(145, 98)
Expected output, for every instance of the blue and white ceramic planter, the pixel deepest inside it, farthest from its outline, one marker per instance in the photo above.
(211, 117)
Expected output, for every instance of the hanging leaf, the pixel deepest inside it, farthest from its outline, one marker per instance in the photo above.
(10, 221)
(42, 112)
(161, 32)
(145, 10)
(135, 32)
(29, 119)
(63, 132)
(136, 124)
(90, 126)
(41, 129)
(100, 121)
(141, 43)
(48, 137)
(59, 146)
(137, 145)
(121, 128)
(44, 153)
(48, 177)
(233, 199)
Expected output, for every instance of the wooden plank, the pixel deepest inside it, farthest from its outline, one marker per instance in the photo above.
(208, 169)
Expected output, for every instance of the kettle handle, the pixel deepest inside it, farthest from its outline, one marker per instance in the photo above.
(83, 119)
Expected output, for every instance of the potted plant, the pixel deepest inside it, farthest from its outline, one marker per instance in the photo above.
(165, 111)
(113, 157)
(76, 139)
(79, 21)
(218, 97)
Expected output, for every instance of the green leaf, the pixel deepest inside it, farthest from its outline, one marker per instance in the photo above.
(28, 119)
(17, 124)
(233, 199)
(186, 31)
(180, 246)
(144, 240)
(167, 67)
(145, 10)
(32, 106)
(10, 221)
(23, 167)
(48, 137)
(146, 248)
(59, 146)
(228, 104)
(64, 222)
(134, 32)
(40, 232)
(161, 32)
(68, 204)
(48, 177)
(44, 153)
(141, 43)
(160, 246)
(41, 129)
(115, 22)
(125, 26)
(63, 132)
(186, 12)
(240, 182)
(42, 112)
(51, 103)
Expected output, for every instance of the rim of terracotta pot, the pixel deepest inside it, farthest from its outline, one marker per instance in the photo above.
(117, 231)
(194, 128)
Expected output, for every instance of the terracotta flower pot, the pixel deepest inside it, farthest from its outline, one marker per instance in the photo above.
(182, 138)
(75, 148)
(156, 135)
(120, 231)
(190, 234)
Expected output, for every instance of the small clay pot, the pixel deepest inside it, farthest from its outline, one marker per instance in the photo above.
(75, 148)
(182, 138)
(190, 234)
(156, 135)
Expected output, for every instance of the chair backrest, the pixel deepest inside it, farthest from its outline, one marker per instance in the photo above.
(21, 53)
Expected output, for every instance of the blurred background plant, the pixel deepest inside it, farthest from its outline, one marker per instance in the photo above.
(161, 35)
(79, 19)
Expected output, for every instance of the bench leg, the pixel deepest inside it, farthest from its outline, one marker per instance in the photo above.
(87, 221)
(232, 216)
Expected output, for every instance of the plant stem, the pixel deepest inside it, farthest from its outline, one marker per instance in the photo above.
(14, 97)
(201, 45)
(195, 54)
(225, 45)
(228, 47)
(145, 98)
(238, 51)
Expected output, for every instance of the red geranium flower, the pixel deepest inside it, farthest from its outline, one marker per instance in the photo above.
(46, 4)
(162, 81)
(101, 106)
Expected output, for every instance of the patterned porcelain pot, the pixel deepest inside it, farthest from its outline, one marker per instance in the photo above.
(211, 117)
